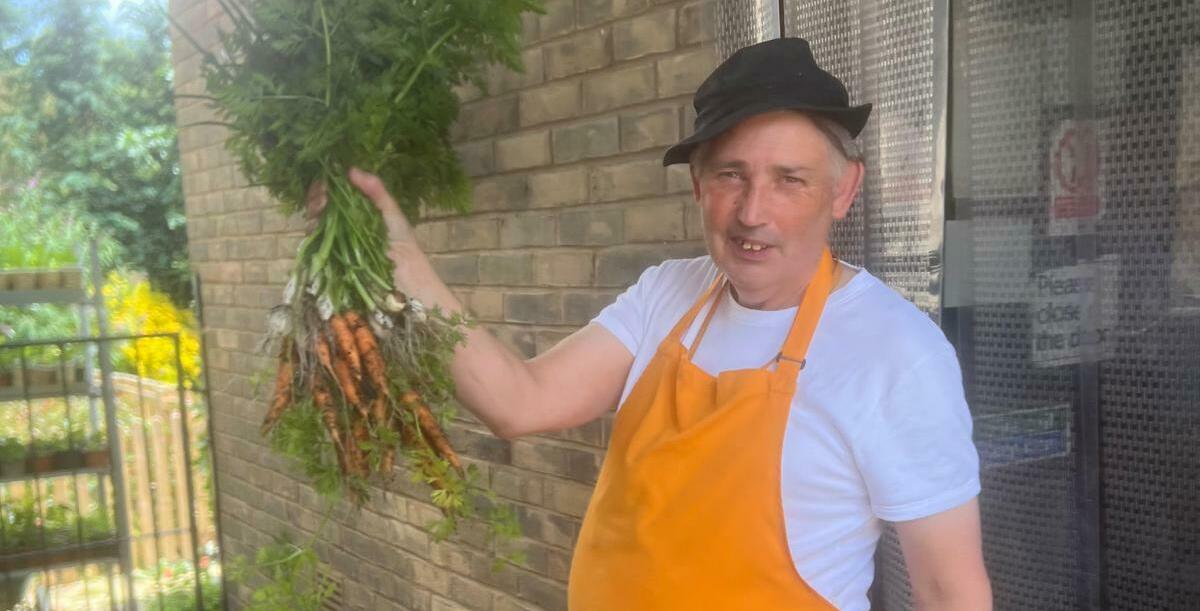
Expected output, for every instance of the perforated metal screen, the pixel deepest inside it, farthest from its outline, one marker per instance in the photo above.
(884, 52)
(1147, 84)
(1071, 276)
(1075, 301)
(741, 23)
(1010, 93)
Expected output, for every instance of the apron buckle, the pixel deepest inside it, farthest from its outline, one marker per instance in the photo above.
(800, 362)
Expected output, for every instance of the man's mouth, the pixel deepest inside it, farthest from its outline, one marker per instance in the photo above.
(750, 245)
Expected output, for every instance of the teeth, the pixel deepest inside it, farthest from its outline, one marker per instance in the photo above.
(754, 247)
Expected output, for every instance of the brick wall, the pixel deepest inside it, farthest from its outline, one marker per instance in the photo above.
(571, 203)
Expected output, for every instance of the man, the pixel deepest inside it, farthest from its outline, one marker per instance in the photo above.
(775, 405)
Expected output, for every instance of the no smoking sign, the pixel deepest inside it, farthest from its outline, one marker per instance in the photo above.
(1074, 165)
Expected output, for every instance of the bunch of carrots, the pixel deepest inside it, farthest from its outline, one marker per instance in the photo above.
(306, 90)
(352, 393)
(366, 362)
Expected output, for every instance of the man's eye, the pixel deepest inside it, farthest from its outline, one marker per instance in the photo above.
(795, 180)
(729, 174)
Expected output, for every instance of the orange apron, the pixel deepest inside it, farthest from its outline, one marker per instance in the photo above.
(687, 512)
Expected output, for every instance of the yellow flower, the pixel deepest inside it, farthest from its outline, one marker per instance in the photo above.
(137, 309)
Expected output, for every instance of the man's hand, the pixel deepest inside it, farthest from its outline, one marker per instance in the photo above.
(944, 554)
(413, 274)
(314, 203)
(399, 232)
(403, 250)
(398, 229)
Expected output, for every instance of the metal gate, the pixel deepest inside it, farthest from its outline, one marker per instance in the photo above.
(107, 490)
(99, 504)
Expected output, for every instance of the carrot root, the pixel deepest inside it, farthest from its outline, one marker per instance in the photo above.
(344, 338)
(281, 399)
(432, 430)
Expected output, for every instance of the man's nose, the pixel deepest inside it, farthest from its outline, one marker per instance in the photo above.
(752, 205)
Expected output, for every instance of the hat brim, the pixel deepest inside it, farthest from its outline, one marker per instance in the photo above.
(853, 119)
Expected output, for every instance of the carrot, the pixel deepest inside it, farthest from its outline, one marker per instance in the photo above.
(353, 320)
(387, 462)
(359, 435)
(432, 430)
(321, 347)
(359, 428)
(379, 411)
(342, 375)
(408, 436)
(372, 359)
(282, 397)
(344, 338)
(324, 402)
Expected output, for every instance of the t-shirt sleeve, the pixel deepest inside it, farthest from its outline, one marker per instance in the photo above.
(628, 317)
(915, 450)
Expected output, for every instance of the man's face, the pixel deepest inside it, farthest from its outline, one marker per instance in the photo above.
(769, 190)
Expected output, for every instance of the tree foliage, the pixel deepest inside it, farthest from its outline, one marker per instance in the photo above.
(87, 122)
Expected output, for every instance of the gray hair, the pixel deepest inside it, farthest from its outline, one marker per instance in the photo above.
(839, 137)
(848, 149)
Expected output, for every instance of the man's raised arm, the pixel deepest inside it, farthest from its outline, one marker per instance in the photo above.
(575, 382)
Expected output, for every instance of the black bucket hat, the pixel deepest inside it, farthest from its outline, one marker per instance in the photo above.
(778, 74)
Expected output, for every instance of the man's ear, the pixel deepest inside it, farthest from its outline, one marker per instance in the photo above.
(847, 188)
(694, 173)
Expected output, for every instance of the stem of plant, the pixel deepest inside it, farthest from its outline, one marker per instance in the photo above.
(421, 66)
(328, 54)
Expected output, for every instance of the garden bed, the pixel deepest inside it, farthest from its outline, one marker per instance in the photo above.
(58, 463)
(23, 286)
(69, 278)
(79, 553)
(33, 537)
(43, 381)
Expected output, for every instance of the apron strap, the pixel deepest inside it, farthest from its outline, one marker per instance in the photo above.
(707, 319)
(684, 323)
(795, 348)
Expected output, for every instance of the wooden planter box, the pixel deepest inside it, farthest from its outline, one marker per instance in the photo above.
(24, 559)
(13, 469)
(74, 460)
(95, 459)
(58, 463)
(41, 375)
(40, 464)
(18, 280)
(43, 380)
(65, 278)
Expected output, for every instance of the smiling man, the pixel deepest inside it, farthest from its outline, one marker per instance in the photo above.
(776, 405)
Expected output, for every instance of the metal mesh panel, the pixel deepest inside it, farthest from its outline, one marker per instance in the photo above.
(884, 52)
(741, 23)
(1012, 93)
(1147, 66)
(834, 31)
(1117, 420)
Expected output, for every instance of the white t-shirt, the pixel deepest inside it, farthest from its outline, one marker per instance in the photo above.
(879, 427)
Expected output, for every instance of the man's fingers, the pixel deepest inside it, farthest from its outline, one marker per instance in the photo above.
(314, 203)
(314, 199)
(374, 189)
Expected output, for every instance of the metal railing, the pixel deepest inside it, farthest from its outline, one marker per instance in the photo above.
(98, 477)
